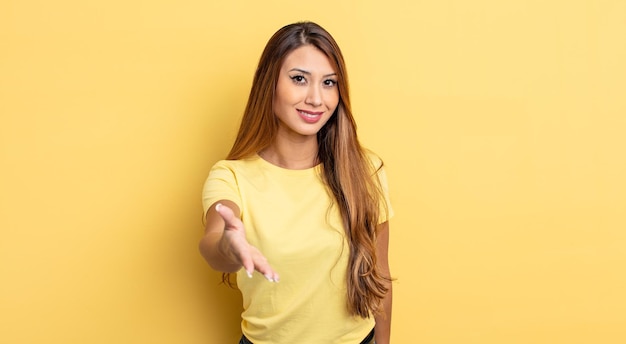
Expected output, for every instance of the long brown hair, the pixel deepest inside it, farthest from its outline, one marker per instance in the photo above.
(347, 170)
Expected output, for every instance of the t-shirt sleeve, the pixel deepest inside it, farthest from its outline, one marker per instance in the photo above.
(221, 184)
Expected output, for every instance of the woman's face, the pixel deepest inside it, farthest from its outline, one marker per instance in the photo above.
(306, 92)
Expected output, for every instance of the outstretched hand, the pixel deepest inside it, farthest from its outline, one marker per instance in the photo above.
(235, 246)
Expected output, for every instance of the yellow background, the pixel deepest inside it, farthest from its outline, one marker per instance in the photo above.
(502, 124)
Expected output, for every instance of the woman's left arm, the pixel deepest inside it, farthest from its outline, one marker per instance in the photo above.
(383, 320)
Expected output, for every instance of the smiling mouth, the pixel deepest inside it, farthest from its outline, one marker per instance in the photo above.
(310, 117)
(310, 113)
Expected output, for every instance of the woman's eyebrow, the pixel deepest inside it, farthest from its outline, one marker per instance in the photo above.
(309, 73)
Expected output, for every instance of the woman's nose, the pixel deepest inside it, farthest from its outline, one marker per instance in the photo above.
(314, 96)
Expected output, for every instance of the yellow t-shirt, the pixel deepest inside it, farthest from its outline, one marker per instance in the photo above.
(288, 216)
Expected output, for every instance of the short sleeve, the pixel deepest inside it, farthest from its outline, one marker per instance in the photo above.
(221, 184)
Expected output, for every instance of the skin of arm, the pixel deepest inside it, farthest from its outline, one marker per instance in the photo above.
(210, 247)
(383, 320)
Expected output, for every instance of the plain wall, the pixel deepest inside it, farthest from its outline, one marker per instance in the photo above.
(502, 125)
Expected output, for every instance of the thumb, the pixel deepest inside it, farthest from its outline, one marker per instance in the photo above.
(227, 215)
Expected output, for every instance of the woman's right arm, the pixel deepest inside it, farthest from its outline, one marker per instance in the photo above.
(224, 245)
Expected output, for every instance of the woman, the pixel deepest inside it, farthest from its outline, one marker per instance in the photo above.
(299, 196)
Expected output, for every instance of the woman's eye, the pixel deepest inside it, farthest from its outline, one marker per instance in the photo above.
(330, 82)
(298, 79)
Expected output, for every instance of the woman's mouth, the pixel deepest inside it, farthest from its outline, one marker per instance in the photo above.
(310, 116)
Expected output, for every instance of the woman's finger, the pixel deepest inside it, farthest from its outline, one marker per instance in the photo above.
(263, 267)
(231, 221)
(248, 263)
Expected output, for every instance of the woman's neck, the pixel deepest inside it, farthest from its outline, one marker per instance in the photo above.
(292, 154)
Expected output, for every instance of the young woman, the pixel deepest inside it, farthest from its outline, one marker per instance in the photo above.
(299, 209)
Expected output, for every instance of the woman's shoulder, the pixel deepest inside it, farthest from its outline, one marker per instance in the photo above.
(237, 166)
(236, 163)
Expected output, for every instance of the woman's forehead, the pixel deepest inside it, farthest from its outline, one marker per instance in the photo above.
(308, 58)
